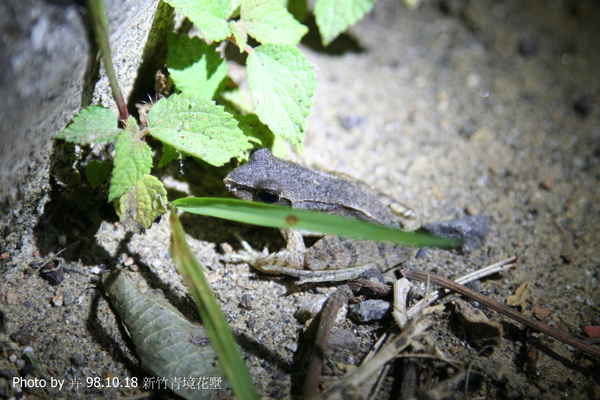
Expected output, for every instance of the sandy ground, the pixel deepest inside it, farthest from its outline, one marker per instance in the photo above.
(475, 107)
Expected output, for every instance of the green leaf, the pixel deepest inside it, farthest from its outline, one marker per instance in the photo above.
(269, 22)
(210, 16)
(151, 199)
(298, 8)
(168, 154)
(335, 16)
(240, 33)
(251, 126)
(168, 345)
(221, 337)
(97, 172)
(133, 159)
(312, 221)
(236, 101)
(143, 203)
(195, 66)
(94, 124)
(197, 127)
(282, 83)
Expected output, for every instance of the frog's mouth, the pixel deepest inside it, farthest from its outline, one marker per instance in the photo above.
(240, 192)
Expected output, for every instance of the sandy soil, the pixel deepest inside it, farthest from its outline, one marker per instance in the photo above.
(474, 107)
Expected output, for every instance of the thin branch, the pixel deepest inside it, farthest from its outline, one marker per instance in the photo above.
(473, 276)
(501, 308)
(340, 297)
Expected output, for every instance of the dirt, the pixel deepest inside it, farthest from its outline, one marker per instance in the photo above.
(456, 108)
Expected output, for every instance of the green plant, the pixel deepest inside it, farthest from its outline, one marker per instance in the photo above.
(192, 122)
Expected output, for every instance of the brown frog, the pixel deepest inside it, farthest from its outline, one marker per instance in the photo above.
(268, 179)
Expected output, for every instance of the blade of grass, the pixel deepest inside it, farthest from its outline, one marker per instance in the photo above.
(216, 326)
(283, 217)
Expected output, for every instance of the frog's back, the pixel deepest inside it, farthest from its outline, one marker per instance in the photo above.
(309, 189)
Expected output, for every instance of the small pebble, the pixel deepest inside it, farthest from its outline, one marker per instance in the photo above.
(472, 229)
(12, 358)
(471, 210)
(129, 262)
(57, 300)
(96, 270)
(310, 308)
(20, 363)
(547, 183)
(226, 248)
(246, 302)
(68, 298)
(53, 273)
(369, 310)
(77, 359)
(293, 347)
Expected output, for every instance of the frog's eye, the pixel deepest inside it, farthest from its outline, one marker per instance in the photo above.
(267, 196)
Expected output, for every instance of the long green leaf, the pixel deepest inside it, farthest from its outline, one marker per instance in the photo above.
(218, 331)
(282, 217)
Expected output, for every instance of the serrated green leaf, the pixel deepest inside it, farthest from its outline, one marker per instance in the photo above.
(94, 124)
(251, 126)
(282, 83)
(240, 33)
(269, 22)
(335, 16)
(133, 160)
(168, 154)
(197, 127)
(151, 197)
(209, 16)
(143, 203)
(195, 66)
(298, 8)
(97, 172)
(169, 346)
(236, 101)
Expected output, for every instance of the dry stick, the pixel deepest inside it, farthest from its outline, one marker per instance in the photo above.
(387, 352)
(473, 276)
(501, 308)
(340, 297)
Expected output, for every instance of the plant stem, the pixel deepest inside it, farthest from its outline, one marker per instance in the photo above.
(100, 27)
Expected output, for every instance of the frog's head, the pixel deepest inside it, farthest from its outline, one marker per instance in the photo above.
(258, 180)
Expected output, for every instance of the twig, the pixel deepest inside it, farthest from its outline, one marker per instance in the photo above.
(473, 276)
(340, 297)
(354, 379)
(60, 252)
(501, 308)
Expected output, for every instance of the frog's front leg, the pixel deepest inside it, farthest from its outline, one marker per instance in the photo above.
(285, 261)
